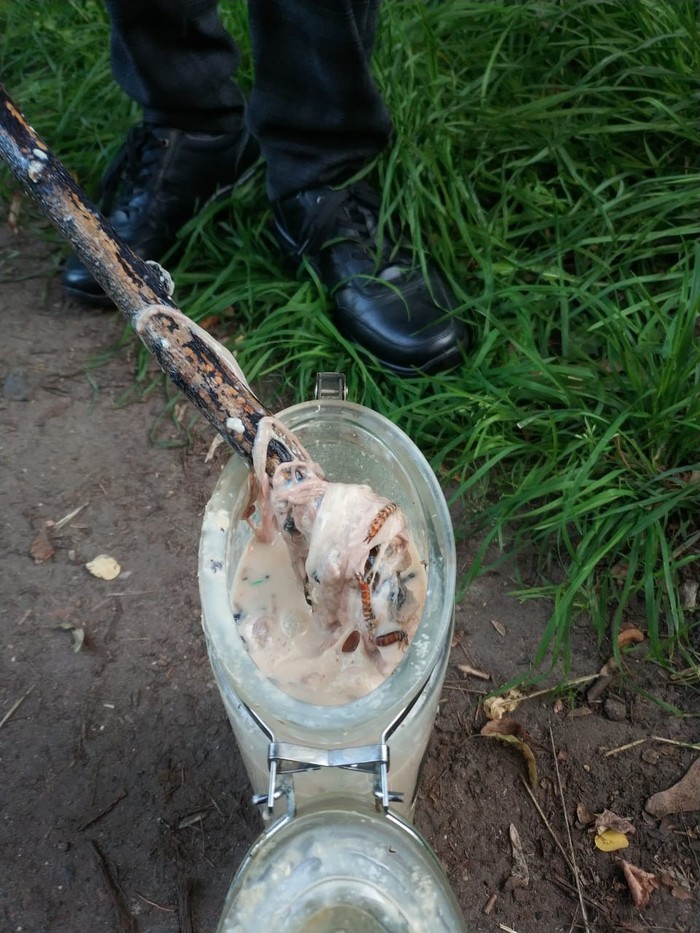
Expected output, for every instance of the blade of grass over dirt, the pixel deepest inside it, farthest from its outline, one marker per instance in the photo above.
(546, 156)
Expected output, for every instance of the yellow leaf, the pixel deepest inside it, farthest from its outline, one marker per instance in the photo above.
(610, 840)
(524, 750)
(104, 567)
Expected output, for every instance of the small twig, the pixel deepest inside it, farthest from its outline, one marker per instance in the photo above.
(506, 929)
(573, 919)
(15, 706)
(193, 818)
(569, 683)
(67, 519)
(548, 825)
(624, 748)
(658, 738)
(568, 833)
(146, 900)
(184, 902)
(577, 681)
(127, 921)
(107, 809)
(572, 889)
(473, 671)
(216, 806)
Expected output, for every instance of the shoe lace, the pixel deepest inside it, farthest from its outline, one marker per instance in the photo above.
(350, 214)
(131, 171)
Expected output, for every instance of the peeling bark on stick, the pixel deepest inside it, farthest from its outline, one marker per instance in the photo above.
(200, 366)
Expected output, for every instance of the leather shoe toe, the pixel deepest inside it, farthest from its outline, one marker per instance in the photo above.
(382, 299)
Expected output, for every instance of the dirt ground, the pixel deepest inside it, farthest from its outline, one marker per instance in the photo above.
(125, 806)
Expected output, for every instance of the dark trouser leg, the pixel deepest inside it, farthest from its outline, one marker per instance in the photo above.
(315, 109)
(175, 59)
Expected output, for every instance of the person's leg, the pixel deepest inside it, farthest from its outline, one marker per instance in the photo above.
(319, 117)
(175, 59)
(314, 108)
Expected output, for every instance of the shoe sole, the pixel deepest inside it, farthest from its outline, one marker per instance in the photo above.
(84, 298)
(431, 368)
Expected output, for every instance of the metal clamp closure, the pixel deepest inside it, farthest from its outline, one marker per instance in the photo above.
(286, 758)
(331, 385)
(291, 758)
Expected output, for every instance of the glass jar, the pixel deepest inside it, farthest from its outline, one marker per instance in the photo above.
(338, 869)
(303, 758)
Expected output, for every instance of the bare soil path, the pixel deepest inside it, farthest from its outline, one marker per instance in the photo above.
(125, 803)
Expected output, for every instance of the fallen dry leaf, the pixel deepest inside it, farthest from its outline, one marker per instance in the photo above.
(504, 726)
(497, 707)
(610, 841)
(651, 756)
(630, 636)
(583, 814)
(681, 893)
(524, 750)
(609, 820)
(78, 633)
(642, 884)
(41, 548)
(683, 796)
(678, 883)
(104, 567)
(519, 876)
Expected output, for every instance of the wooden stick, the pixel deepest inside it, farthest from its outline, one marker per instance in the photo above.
(104, 812)
(577, 877)
(15, 706)
(204, 370)
(624, 748)
(549, 827)
(127, 921)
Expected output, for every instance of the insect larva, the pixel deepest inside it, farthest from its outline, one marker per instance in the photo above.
(381, 641)
(379, 520)
(366, 596)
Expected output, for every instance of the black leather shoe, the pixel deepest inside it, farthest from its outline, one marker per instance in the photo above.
(382, 299)
(155, 184)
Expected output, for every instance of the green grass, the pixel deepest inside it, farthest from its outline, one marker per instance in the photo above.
(546, 155)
